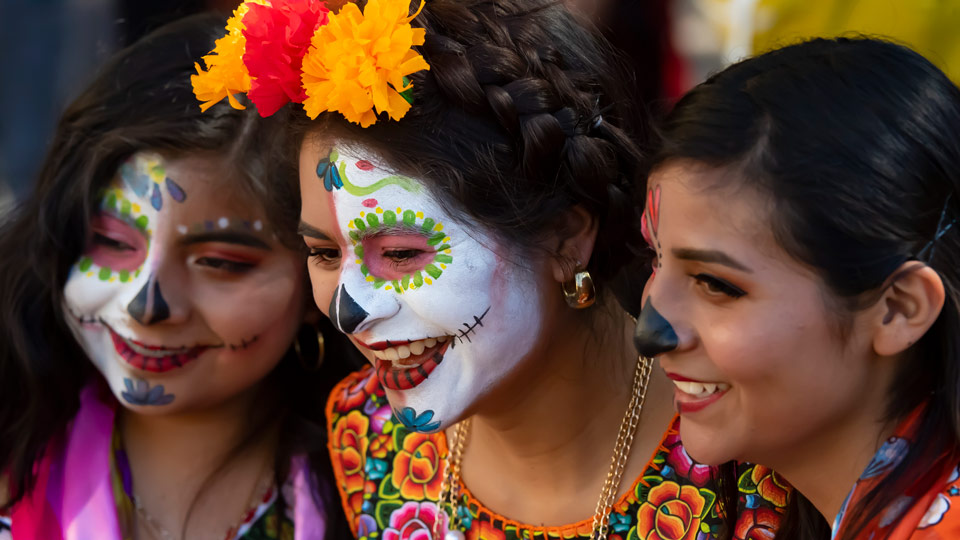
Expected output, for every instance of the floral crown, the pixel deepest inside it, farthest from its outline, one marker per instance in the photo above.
(353, 62)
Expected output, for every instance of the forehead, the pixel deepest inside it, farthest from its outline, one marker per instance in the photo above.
(709, 206)
(194, 185)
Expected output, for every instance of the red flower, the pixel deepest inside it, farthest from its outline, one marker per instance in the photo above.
(356, 394)
(770, 485)
(277, 37)
(757, 524)
(483, 530)
(414, 521)
(671, 512)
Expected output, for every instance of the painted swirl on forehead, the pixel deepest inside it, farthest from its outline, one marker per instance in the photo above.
(333, 172)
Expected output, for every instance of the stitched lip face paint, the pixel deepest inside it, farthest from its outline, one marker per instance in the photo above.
(160, 297)
(438, 305)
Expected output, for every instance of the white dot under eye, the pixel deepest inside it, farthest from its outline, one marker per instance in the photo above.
(257, 225)
(224, 223)
(182, 229)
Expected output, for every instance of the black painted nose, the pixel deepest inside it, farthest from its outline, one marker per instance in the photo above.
(149, 306)
(653, 335)
(345, 312)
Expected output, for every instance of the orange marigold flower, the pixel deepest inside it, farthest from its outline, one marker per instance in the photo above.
(357, 63)
(226, 74)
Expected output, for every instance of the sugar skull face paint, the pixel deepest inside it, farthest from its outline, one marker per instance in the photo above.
(159, 299)
(438, 305)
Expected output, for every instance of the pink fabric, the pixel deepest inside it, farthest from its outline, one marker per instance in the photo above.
(73, 495)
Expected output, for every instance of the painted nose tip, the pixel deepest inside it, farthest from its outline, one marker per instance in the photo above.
(345, 312)
(653, 335)
(149, 306)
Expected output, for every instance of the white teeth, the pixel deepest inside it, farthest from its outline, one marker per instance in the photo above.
(391, 354)
(403, 351)
(429, 342)
(699, 389)
(417, 347)
(443, 339)
(414, 348)
(151, 353)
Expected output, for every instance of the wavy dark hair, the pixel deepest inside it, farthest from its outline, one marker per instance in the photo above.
(855, 142)
(142, 99)
(523, 114)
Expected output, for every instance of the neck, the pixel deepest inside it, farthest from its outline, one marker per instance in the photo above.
(562, 413)
(825, 468)
(180, 461)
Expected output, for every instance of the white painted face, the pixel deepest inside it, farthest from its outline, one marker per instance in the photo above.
(182, 298)
(438, 305)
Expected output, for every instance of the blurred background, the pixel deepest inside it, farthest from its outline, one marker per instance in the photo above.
(50, 49)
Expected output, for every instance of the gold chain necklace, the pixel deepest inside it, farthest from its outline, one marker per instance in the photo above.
(450, 486)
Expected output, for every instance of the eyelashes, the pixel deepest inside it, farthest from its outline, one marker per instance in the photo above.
(714, 286)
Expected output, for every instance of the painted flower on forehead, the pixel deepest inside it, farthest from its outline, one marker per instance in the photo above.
(358, 63)
(277, 37)
(226, 74)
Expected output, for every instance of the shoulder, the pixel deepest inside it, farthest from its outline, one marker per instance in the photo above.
(942, 517)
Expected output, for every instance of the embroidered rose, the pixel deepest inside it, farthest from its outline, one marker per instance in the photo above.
(685, 466)
(355, 395)
(483, 530)
(349, 447)
(416, 468)
(770, 485)
(671, 512)
(414, 521)
(380, 445)
(757, 524)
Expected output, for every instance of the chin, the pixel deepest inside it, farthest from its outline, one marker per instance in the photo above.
(706, 446)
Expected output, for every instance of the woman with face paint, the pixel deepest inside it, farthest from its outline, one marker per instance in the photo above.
(467, 185)
(803, 212)
(158, 377)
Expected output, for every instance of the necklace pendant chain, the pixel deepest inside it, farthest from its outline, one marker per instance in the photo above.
(450, 486)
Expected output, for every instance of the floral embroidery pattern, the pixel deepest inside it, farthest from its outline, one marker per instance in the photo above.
(389, 478)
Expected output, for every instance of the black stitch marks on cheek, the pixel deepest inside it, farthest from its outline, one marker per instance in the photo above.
(469, 329)
(653, 335)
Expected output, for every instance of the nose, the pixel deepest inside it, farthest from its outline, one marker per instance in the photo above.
(149, 306)
(345, 312)
(654, 334)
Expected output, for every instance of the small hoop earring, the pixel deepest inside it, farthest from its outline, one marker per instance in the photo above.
(579, 292)
(320, 348)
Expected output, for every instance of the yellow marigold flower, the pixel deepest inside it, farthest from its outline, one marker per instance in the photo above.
(357, 62)
(225, 74)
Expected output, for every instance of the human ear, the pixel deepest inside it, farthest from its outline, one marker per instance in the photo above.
(907, 308)
(573, 240)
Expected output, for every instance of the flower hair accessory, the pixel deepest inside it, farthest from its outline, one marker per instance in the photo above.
(353, 62)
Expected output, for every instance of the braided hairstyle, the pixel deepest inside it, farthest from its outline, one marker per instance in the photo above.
(522, 115)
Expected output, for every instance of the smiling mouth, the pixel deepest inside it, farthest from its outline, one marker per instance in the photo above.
(152, 358)
(693, 396)
(404, 365)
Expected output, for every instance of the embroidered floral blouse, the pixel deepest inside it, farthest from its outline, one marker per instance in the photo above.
(389, 480)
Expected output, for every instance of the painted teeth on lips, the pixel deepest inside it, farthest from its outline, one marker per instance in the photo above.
(413, 348)
(700, 389)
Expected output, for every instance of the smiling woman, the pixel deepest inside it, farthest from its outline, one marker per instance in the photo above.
(162, 371)
(802, 217)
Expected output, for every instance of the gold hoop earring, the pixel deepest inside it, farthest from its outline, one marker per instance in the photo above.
(579, 292)
(320, 348)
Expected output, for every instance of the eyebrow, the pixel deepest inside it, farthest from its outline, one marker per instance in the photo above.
(229, 237)
(709, 256)
(305, 229)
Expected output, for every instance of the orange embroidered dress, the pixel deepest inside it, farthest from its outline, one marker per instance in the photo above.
(389, 481)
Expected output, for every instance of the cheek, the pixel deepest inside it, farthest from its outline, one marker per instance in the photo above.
(323, 283)
(85, 293)
(248, 309)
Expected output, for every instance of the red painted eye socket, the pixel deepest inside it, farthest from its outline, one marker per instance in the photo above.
(393, 256)
(116, 244)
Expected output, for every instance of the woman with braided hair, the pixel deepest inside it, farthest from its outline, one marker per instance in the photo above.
(467, 186)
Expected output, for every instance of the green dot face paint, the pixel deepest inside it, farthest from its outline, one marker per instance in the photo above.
(444, 309)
